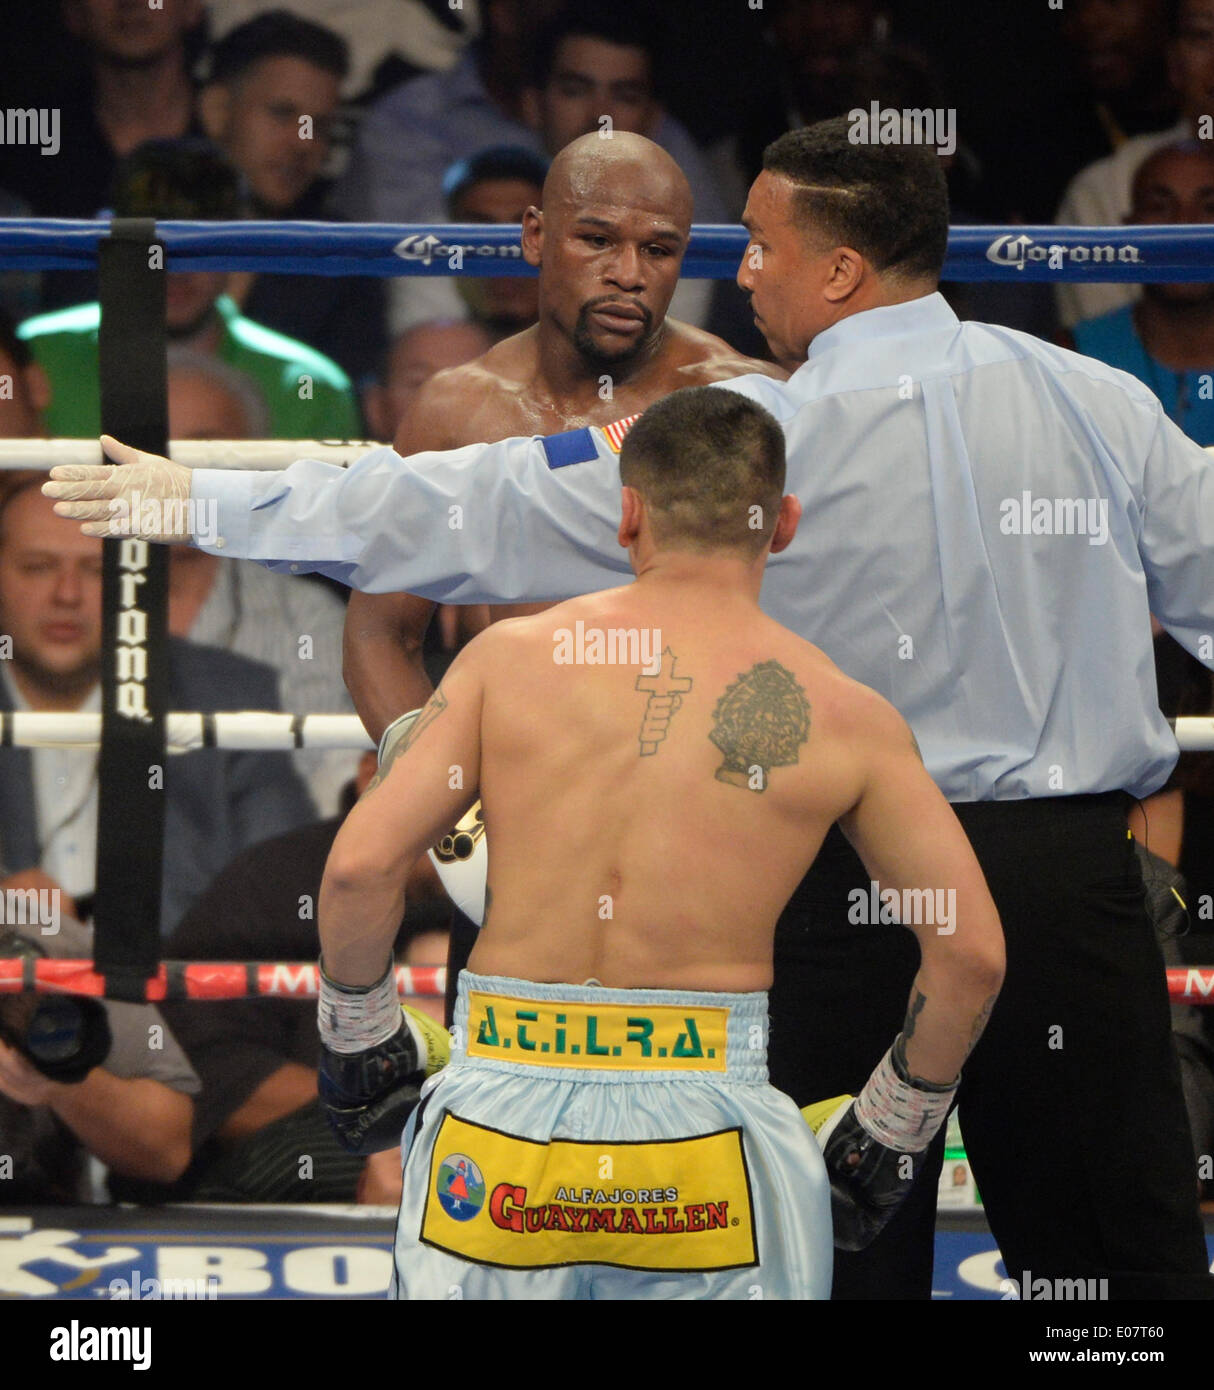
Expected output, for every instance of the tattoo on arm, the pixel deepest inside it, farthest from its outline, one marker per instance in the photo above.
(914, 1009)
(980, 1021)
(918, 999)
(433, 708)
(665, 691)
(759, 723)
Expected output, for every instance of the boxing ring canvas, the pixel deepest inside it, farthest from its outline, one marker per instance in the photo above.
(197, 1253)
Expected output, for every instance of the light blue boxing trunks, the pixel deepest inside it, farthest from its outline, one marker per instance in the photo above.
(591, 1143)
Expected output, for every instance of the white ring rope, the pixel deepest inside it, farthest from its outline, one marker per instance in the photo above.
(256, 730)
(271, 731)
(255, 454)
(259, 454)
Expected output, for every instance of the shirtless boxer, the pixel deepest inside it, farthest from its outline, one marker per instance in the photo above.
(604, 1127)
(609, 244)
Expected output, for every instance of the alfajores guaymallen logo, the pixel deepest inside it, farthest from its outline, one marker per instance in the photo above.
(652, 1204)
(460, 1187)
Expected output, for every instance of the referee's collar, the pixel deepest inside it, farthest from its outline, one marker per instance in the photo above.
(923, 315)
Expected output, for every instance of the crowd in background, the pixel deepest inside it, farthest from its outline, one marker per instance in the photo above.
(421, 111)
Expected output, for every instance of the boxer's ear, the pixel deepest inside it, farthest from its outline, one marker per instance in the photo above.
(630, 522)
(533, 235)
(786, 524)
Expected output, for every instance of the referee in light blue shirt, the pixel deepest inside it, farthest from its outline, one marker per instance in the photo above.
(988, 523)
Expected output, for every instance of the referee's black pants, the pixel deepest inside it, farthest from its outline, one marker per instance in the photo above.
(1071, 1105)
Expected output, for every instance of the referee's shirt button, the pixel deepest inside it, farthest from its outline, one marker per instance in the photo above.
(294, 569)
(219, 542)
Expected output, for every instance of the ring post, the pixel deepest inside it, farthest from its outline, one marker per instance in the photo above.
(134, 677)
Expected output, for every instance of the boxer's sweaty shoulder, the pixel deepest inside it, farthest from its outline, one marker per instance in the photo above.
(654, 787)
(698, 357)
(688, 357)
(479, 402)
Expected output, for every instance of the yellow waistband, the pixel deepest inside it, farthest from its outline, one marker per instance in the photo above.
(597, 1036)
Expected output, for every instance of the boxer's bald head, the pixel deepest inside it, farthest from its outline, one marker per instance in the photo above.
(595, 168)
(609, 244)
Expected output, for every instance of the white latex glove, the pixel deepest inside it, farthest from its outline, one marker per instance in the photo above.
(146, 496)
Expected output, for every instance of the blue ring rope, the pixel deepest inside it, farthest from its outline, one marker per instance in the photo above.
(1134, 255)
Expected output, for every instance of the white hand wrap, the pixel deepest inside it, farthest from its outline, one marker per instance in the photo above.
(898, 1114)
(353, 1018)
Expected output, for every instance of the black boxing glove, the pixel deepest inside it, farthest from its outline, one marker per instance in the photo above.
(64, 1035)
(875, 1146)
(376, 1053)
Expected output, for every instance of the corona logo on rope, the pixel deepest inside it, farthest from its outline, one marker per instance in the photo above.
(1017, 251)
(426, 248)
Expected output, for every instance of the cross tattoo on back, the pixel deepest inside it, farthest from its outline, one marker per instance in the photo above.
(666, 691)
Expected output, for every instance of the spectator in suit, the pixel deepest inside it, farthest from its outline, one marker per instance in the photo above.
(128, 1111)
(217, 803)
(291, 623)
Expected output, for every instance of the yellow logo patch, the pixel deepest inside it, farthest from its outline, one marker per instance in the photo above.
(680, 1205)
(620, 1037)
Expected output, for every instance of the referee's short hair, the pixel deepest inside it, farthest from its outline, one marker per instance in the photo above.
(709, 463)
(890, 202)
